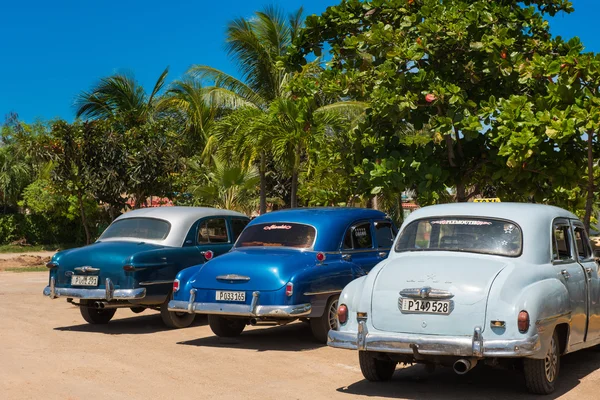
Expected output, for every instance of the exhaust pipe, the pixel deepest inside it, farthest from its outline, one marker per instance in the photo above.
(101, 305)
(256, 322)
(464, 365)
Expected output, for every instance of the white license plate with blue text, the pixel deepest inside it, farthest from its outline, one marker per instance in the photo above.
(426, 306)
(84, 280)
(222, 295)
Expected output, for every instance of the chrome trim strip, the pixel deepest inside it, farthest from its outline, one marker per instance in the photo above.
(233, 277)
(94, 294)
(323, 292)
(426, 293)
(86, 268)
(148, 283)
(243, 310)
(462, 346)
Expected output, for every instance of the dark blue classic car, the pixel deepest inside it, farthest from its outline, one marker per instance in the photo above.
(284, 266)
(134, 262)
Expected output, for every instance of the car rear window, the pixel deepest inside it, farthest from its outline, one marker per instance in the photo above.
(138, 228)
(473, 235)
(278, 234)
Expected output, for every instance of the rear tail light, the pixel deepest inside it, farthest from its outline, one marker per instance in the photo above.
(321, 257)
(208, 255)
(128, 268)
(342, 314)
(175, 285)
(523, 322)
(51, 265)
(289, 289)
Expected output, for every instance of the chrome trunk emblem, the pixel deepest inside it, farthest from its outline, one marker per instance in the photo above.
(426, 292)
(233, 277)
(86, 268)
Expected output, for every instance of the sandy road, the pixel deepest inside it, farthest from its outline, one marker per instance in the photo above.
(47, 351)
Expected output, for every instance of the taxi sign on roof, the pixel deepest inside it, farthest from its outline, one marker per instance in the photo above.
(488, 200)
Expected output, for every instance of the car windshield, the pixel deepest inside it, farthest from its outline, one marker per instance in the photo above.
(138, 228)
(474, 235)
(278, 234)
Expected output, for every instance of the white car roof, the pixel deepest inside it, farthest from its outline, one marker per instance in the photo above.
(180, 218)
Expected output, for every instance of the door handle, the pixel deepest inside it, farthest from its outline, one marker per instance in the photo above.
(589, 271)
(383, 254)
(565, 273)
(346, 257)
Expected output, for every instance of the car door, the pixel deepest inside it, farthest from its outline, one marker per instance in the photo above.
(385, 232)
(358, 246)
(214, 235)
(573, 276)
(585, 257)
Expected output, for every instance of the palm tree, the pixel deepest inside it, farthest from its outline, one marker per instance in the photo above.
(120, 96)
(227, 186)
(192, 102)
(15, 174)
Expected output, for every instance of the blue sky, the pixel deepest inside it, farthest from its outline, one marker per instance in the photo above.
(51, 50)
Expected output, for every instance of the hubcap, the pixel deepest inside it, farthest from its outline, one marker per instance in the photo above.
(332, 314)
(551, 361)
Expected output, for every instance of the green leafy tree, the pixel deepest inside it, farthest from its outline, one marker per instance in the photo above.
(432, 66)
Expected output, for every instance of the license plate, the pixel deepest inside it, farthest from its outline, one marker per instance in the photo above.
(426, 306)
(230, 296)
(84, 280)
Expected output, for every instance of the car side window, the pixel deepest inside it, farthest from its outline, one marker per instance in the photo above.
(582, 243)
(384, 233)
(561, 243)
(213, 230)
(237, 226)
(358, 237)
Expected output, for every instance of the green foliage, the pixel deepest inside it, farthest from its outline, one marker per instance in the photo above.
(40, 229)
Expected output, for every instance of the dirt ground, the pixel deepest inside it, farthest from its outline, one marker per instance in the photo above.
(18, 260)
(47, 351)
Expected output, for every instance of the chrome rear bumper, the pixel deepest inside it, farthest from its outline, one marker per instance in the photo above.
(108, 293)
(254, 310)
(406, 343)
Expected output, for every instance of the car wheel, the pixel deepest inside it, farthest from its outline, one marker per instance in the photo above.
(541, 375)
(226, 327)
(320, 326)
(374, 369)
(137, 310)
(175, 320)
(95, 316)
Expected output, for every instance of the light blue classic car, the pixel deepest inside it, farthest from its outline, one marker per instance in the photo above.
(134, 262)
(286, 265)
(475, 282)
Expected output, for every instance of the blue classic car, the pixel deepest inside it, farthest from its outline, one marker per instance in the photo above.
(501, 283)
(134, 262)
(286, 265)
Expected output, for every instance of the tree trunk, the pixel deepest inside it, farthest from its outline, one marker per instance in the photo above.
(88, 237)
(375, 203)
(461, 194)
(263, 183)
(590, 187)
(295, 173)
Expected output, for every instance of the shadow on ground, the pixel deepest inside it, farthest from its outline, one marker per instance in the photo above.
(137, 324)
(293, 337)
(481, 383)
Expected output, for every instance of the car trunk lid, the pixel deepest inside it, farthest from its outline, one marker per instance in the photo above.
(463, 279)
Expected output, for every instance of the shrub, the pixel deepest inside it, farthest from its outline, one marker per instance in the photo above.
(40, 229)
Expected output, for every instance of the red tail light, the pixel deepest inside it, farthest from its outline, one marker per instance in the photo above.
(51, 265)
(321, 257)
(289, 289)
(523, 322)
(208, 254)
(175, 285)
(342, 314)
(128, 268)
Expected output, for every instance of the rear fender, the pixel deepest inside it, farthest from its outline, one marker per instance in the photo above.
(350, 297)
(546, 301)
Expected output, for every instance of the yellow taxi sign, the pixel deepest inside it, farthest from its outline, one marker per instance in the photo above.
(488, 200)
